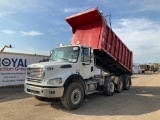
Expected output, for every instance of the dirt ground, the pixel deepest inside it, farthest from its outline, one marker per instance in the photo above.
(141, 102)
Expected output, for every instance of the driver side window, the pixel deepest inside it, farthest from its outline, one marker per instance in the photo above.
(85, 55)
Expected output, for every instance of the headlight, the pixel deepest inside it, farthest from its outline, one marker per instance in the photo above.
(55, 81)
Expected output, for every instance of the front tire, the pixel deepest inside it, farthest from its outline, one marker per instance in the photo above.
(73, 96)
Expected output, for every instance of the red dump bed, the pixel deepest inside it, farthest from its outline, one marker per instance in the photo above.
(90, 28)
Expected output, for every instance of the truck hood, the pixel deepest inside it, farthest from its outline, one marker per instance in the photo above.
(53, 70)
(50, 63)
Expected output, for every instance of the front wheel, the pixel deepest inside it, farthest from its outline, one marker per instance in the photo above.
(73, 96)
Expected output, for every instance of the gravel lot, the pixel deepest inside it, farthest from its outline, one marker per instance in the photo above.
(142, 102)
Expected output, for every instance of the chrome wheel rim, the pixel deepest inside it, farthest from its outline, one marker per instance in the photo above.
(111, 87)
(76, 96)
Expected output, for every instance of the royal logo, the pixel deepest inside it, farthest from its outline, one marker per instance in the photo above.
(5, 62)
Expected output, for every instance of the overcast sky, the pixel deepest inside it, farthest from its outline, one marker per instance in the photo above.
(37, 26)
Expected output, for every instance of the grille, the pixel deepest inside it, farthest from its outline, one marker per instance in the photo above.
(35, 73)
(34, 80)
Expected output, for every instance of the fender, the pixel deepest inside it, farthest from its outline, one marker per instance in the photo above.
(74, 78)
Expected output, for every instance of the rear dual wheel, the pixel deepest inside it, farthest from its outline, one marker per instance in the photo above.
(118, 84)
(109, 87)
(122, 83)
(127, 83)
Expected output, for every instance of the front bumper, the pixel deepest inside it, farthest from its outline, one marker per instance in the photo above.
(44, 91)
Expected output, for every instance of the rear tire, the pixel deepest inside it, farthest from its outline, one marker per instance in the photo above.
(73, 96)
(109, 87)
(127, 83)
(119, 84)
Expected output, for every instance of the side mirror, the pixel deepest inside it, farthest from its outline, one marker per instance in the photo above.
(91, 55)
(51, 52)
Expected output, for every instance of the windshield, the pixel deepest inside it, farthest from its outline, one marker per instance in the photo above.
(67, 54)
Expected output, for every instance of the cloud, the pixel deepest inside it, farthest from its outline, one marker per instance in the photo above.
(29, 50)
(146, 5)
(70, 10)
(59, 30)
(31, 33)
(26, 5)
(66, 10)
(8, 32)
(139, 23)
(141, 35)
(131, 6)
(18, 4)
(4, 14)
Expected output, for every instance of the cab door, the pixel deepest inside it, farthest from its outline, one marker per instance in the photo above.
(86, 64)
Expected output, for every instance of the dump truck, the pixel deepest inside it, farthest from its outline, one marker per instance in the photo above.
(69, 73)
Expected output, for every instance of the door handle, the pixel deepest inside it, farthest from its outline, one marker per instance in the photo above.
(85, 64)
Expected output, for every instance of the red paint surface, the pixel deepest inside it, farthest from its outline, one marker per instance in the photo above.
(91, 29)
